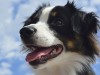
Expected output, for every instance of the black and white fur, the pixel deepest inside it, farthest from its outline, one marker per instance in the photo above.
(70, 27)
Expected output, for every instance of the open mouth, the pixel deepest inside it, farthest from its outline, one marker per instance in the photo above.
(42, 54)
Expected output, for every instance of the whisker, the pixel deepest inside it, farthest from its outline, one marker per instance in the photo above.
(26, 49)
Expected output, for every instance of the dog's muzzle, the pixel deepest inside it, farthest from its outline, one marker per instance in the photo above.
(27, 32)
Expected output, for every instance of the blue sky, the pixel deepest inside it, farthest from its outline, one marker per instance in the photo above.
(12, 15)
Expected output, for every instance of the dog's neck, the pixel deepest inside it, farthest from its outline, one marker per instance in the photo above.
(56, 70)
(75, 65)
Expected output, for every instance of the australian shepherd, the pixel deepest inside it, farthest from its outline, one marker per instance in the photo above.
(61, 40)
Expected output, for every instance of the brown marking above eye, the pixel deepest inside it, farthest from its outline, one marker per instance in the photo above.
(53, 13)
(70, 44)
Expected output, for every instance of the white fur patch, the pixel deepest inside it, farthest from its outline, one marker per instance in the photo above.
(65, 64)
(45, 14)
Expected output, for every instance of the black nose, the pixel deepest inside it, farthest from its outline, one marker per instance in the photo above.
(27, 32)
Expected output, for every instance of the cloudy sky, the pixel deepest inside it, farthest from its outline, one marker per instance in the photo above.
(12, 15)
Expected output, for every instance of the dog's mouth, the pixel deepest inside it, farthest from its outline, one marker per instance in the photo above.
(42, 54)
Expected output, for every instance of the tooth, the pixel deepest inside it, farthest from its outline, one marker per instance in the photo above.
(42, 57)
(54, 51)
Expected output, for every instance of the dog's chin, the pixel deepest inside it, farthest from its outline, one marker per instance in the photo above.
(41, 55)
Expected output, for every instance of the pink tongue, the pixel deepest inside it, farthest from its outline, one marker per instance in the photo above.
(35, 55)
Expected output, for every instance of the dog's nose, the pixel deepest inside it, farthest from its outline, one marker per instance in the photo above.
(27, 32)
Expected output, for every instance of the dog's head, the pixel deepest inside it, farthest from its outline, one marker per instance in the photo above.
(53, 34)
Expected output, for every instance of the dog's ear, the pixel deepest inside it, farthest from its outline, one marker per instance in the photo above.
(70, 7)
(84, 23)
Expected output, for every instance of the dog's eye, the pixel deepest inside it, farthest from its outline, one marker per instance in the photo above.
(58, 22)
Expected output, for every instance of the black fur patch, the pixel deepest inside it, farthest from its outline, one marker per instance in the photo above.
(70, 23)
(34, 18)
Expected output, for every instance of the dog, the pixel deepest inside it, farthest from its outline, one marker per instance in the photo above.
(61, 40)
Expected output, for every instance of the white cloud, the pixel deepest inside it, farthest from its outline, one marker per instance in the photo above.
(89, 9)
(24, 67)
(27, 69)
(9, 44)
(16, 1)
(8, 47)
(9, 35)
(95, 2)
(5, 8)
(5, 65)
(5, 69)
(30, 74)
